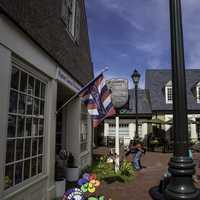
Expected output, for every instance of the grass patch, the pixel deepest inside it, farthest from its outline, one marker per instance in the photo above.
(105, 171)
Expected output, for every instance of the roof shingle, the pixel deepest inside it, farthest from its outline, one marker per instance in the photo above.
(41, 20)
(155, 83)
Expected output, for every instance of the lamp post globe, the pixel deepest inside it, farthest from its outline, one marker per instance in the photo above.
(136, 78)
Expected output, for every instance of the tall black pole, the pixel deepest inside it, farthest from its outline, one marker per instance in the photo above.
(181, 166)
(136, 111)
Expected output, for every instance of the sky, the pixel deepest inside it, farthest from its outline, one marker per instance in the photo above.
(135, 34)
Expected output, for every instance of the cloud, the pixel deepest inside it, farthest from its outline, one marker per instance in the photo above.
(147, 47)
(130, 34)
(191, 15)
(120, 8)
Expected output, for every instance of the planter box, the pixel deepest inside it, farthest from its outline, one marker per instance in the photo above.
(72, 174)
(60, 187)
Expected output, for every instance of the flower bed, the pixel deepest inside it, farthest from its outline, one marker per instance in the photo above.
(105, 171)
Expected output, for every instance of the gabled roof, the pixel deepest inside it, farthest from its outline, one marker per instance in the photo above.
(144, 104)
(155, 81)
(41, 21)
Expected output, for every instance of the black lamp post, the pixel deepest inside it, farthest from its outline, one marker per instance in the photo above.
(136, 78)
(181, 166)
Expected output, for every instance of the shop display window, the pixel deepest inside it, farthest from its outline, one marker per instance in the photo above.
(25, 133)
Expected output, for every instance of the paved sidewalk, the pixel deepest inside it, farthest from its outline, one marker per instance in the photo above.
(156, 165)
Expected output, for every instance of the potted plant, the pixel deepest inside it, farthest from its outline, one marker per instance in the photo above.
(59, 173)
(72, 171)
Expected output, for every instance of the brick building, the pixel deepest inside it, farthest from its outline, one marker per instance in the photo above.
(44, 60)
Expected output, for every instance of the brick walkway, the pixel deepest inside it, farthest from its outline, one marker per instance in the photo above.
(138, 189)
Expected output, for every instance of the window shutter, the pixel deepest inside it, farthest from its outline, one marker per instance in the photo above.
(77, 22)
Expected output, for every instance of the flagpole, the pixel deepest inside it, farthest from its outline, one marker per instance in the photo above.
(117, 144)
(75, 95)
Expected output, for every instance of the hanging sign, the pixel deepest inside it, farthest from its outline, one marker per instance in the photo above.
(119, 88)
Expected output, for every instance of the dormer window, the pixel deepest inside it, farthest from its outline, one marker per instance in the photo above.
(198, 92)
(168, 93)
(71, 17)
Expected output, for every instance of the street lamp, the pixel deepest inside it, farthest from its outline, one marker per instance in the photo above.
(136, 78)
(181, 166)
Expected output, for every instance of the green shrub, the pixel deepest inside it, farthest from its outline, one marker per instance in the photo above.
(154, 142)
(126, 168)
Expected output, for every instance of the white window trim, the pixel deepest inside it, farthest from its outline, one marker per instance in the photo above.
(198, 92)
(26, 67)
(72, 33)
(122, 127)
(166, 95)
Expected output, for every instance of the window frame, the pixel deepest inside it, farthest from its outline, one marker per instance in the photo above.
(140, 130)
(29, 70)
(198, 92)
(123, 128)
(197, 127)
(74, 33)
(167, 88)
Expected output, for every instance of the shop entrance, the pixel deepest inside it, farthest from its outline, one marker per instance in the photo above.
(63, 94)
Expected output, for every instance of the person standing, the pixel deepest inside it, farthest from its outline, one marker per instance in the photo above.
(137, 158)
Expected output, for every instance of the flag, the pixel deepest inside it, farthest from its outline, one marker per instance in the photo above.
(97, 98)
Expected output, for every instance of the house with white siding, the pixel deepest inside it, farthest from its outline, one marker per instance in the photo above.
(155, 102)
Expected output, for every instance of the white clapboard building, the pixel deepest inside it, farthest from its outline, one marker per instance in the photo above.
(154, 109)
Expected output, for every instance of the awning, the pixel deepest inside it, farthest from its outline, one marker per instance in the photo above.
(190, 121)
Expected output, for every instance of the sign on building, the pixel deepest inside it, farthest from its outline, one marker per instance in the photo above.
(119, 88)
(64, 78)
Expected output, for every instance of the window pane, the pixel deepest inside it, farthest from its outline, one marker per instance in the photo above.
(26, 169)
(77, 21)
(29, 105)
(41, 107)
(169, 95)
(28, 126)
(37, 88)
(18, 172)
(36, 106)
(199, 92)
(83, 147)
(15, 78)
(40, 150)
(20, 128)
(42, 90)
(10, 151)
(41, 127)
(13, 102)
(11, 125)
(30, 85)
(27, 148)
(23, 82)
(25, 124)
(34, 167)
(19, 149)
(8, 179)
(40, 164)
(70, 4)
(34, 146)
(35, 127)
(22, 103)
